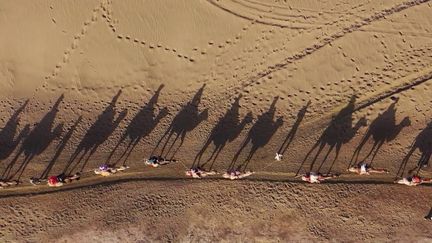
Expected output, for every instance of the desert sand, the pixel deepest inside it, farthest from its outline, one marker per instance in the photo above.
(219, 84)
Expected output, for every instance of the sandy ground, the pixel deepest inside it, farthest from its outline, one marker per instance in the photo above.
(221, 84)
(214, 210)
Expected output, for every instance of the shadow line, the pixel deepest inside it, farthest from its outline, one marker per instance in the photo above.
(383, 129)
(340, 131)
(140, 127)
(38, 140)
(186, 120)
(227, 129)
(259, 135)
(95, 136)
(290, 137)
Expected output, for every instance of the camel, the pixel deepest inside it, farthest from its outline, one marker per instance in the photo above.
(140, 126)
(8, 142)
(339, 132)
(225, 131)
(96, 135)
(383, 129)
(185, 121)
(423, 142)
(39, 139)
(259, 135)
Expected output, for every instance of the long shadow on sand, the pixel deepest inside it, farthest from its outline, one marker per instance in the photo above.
(36, 142)
(227, 129)
(187, 119)
(423, 142)
(59, 149)
(338, 132)
(96, 135)
(259, 135)
(382, 129)
(290, 137)
(141, 126)
(8, 139)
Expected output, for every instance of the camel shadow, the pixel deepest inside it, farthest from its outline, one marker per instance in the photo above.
(187, 119)
(338, 132)
(140, 126)
(225, 131)
(423, 142)
(59, 149)
(383, 129)
(36, 142)
(96, 135)
(290, 137)
(8, 141)
(259, 135)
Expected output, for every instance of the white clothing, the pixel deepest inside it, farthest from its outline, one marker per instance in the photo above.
(407, 182)
(314, 178)
(363, 169)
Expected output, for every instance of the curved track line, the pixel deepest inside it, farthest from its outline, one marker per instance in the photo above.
(29, 191)
(326, 41)
(401, 85)
(253, 19)
(262, 12)
(303, 9)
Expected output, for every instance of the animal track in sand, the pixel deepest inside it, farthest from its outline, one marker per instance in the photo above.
(224, 46)
(74, 45)
(346, 16)
(277, 47)
(111, 24)
(371, 83)
(331, 38)
(103, 10)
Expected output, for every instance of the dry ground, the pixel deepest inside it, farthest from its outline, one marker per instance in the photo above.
(214, 210)
(327, 83)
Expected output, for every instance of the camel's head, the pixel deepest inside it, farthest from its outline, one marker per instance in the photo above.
(248, 118)
(25, 132)
(58, 130)
(279, 121)
(406, 122)
(163, 112)
(123, 114)
(362, 122)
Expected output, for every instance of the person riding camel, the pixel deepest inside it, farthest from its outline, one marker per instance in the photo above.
(157, 161)
(8, 183)
(312, 177)
(106, 170)
(366, 169)
(199, 173)
(236, 174)
(56, 181)
(414, 180)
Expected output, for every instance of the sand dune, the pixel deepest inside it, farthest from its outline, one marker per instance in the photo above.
(220, 83)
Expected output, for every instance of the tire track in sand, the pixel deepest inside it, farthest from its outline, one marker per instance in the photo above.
(212, 2)
(328, 40)
(249, 80)
(400, 85)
